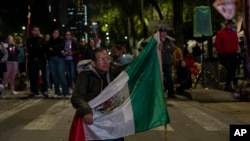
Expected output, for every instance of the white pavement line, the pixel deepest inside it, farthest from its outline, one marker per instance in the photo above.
(208, 122)
(162, 128)
(17, 108)
(51, 117)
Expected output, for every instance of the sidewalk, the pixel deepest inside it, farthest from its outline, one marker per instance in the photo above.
(210, 95)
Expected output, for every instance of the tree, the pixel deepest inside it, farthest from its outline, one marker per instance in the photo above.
(178, 22)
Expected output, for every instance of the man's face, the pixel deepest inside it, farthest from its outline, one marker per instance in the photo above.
(36, 31)
(92, 43)
(163, 34)
(229, 26)
(55, 34)
(116, 53)
(101, 62)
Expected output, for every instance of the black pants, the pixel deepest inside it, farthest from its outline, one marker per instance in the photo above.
(229, 61)
(3, 69)
(34, 65)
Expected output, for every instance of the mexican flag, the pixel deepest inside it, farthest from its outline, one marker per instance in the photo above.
(134, 102)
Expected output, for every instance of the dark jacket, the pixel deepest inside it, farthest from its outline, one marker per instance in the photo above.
(57, 46)
(13, 52)
(183, 77)
(168, 48)
(3, 54)
(35, 48)
(88, 86)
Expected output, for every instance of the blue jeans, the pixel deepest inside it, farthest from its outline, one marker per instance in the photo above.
(48, 76)
(70, 72)
(168, 80)
(57, 66)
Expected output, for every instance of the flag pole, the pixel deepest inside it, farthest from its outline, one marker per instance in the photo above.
(159, 48)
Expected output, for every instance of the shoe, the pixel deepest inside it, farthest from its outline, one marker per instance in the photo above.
(33, 96)
(171, 96)
(67, 96)
(45, 94)
(13, 92)
(70, 91)
(229, 89)
(2, 96)
(57, 96)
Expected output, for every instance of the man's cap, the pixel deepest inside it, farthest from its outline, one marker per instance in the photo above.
(229, 22)
(163, 29)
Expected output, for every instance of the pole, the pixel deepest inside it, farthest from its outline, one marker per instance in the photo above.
(202, 61)
(166, 132)
(246, 5)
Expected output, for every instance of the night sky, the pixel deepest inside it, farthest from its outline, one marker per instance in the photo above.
(13, 15)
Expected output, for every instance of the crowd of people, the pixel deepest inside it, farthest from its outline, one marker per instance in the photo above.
(51, 60)
(46, 61)
(43, 57)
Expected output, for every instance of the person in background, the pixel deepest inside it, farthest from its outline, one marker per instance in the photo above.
(183, 77)
(71, 52)
(55, 48)
(120, 55)
(82, 47)
(98, 41)
(88, 51)
(167, 48)
(3, 68)
(197, 52)
(178, 56)
(12, 64)
(226, 43)
(3, 58)
(21, 55)
(36, 54)
(1, 91)
(91, 82)
(49, 79)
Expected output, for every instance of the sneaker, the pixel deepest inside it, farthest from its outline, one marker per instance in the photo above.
(2, 96)
(229, 89)
(57, 96)
(171, 96)
(13, 92)
(70, 91)
(45, 94)
(67, 96)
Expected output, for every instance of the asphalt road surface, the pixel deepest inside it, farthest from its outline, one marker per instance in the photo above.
(38, 119)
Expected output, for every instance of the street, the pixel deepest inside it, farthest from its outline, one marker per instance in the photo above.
(38, 119)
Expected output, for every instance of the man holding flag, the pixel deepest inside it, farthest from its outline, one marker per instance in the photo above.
(133, 102)
(90, 83)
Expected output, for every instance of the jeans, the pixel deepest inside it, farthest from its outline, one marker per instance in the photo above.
(168, 80)
(48, 76)
(57, 66)
(70, 72)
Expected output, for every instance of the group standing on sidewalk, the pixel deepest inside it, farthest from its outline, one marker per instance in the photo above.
(46, 61)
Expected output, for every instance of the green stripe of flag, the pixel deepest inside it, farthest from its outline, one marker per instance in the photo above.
(146, 89)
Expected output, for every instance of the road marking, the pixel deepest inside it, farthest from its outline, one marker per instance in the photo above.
(51, 117)
(208, 122)
(162, 128)
(17, 108)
